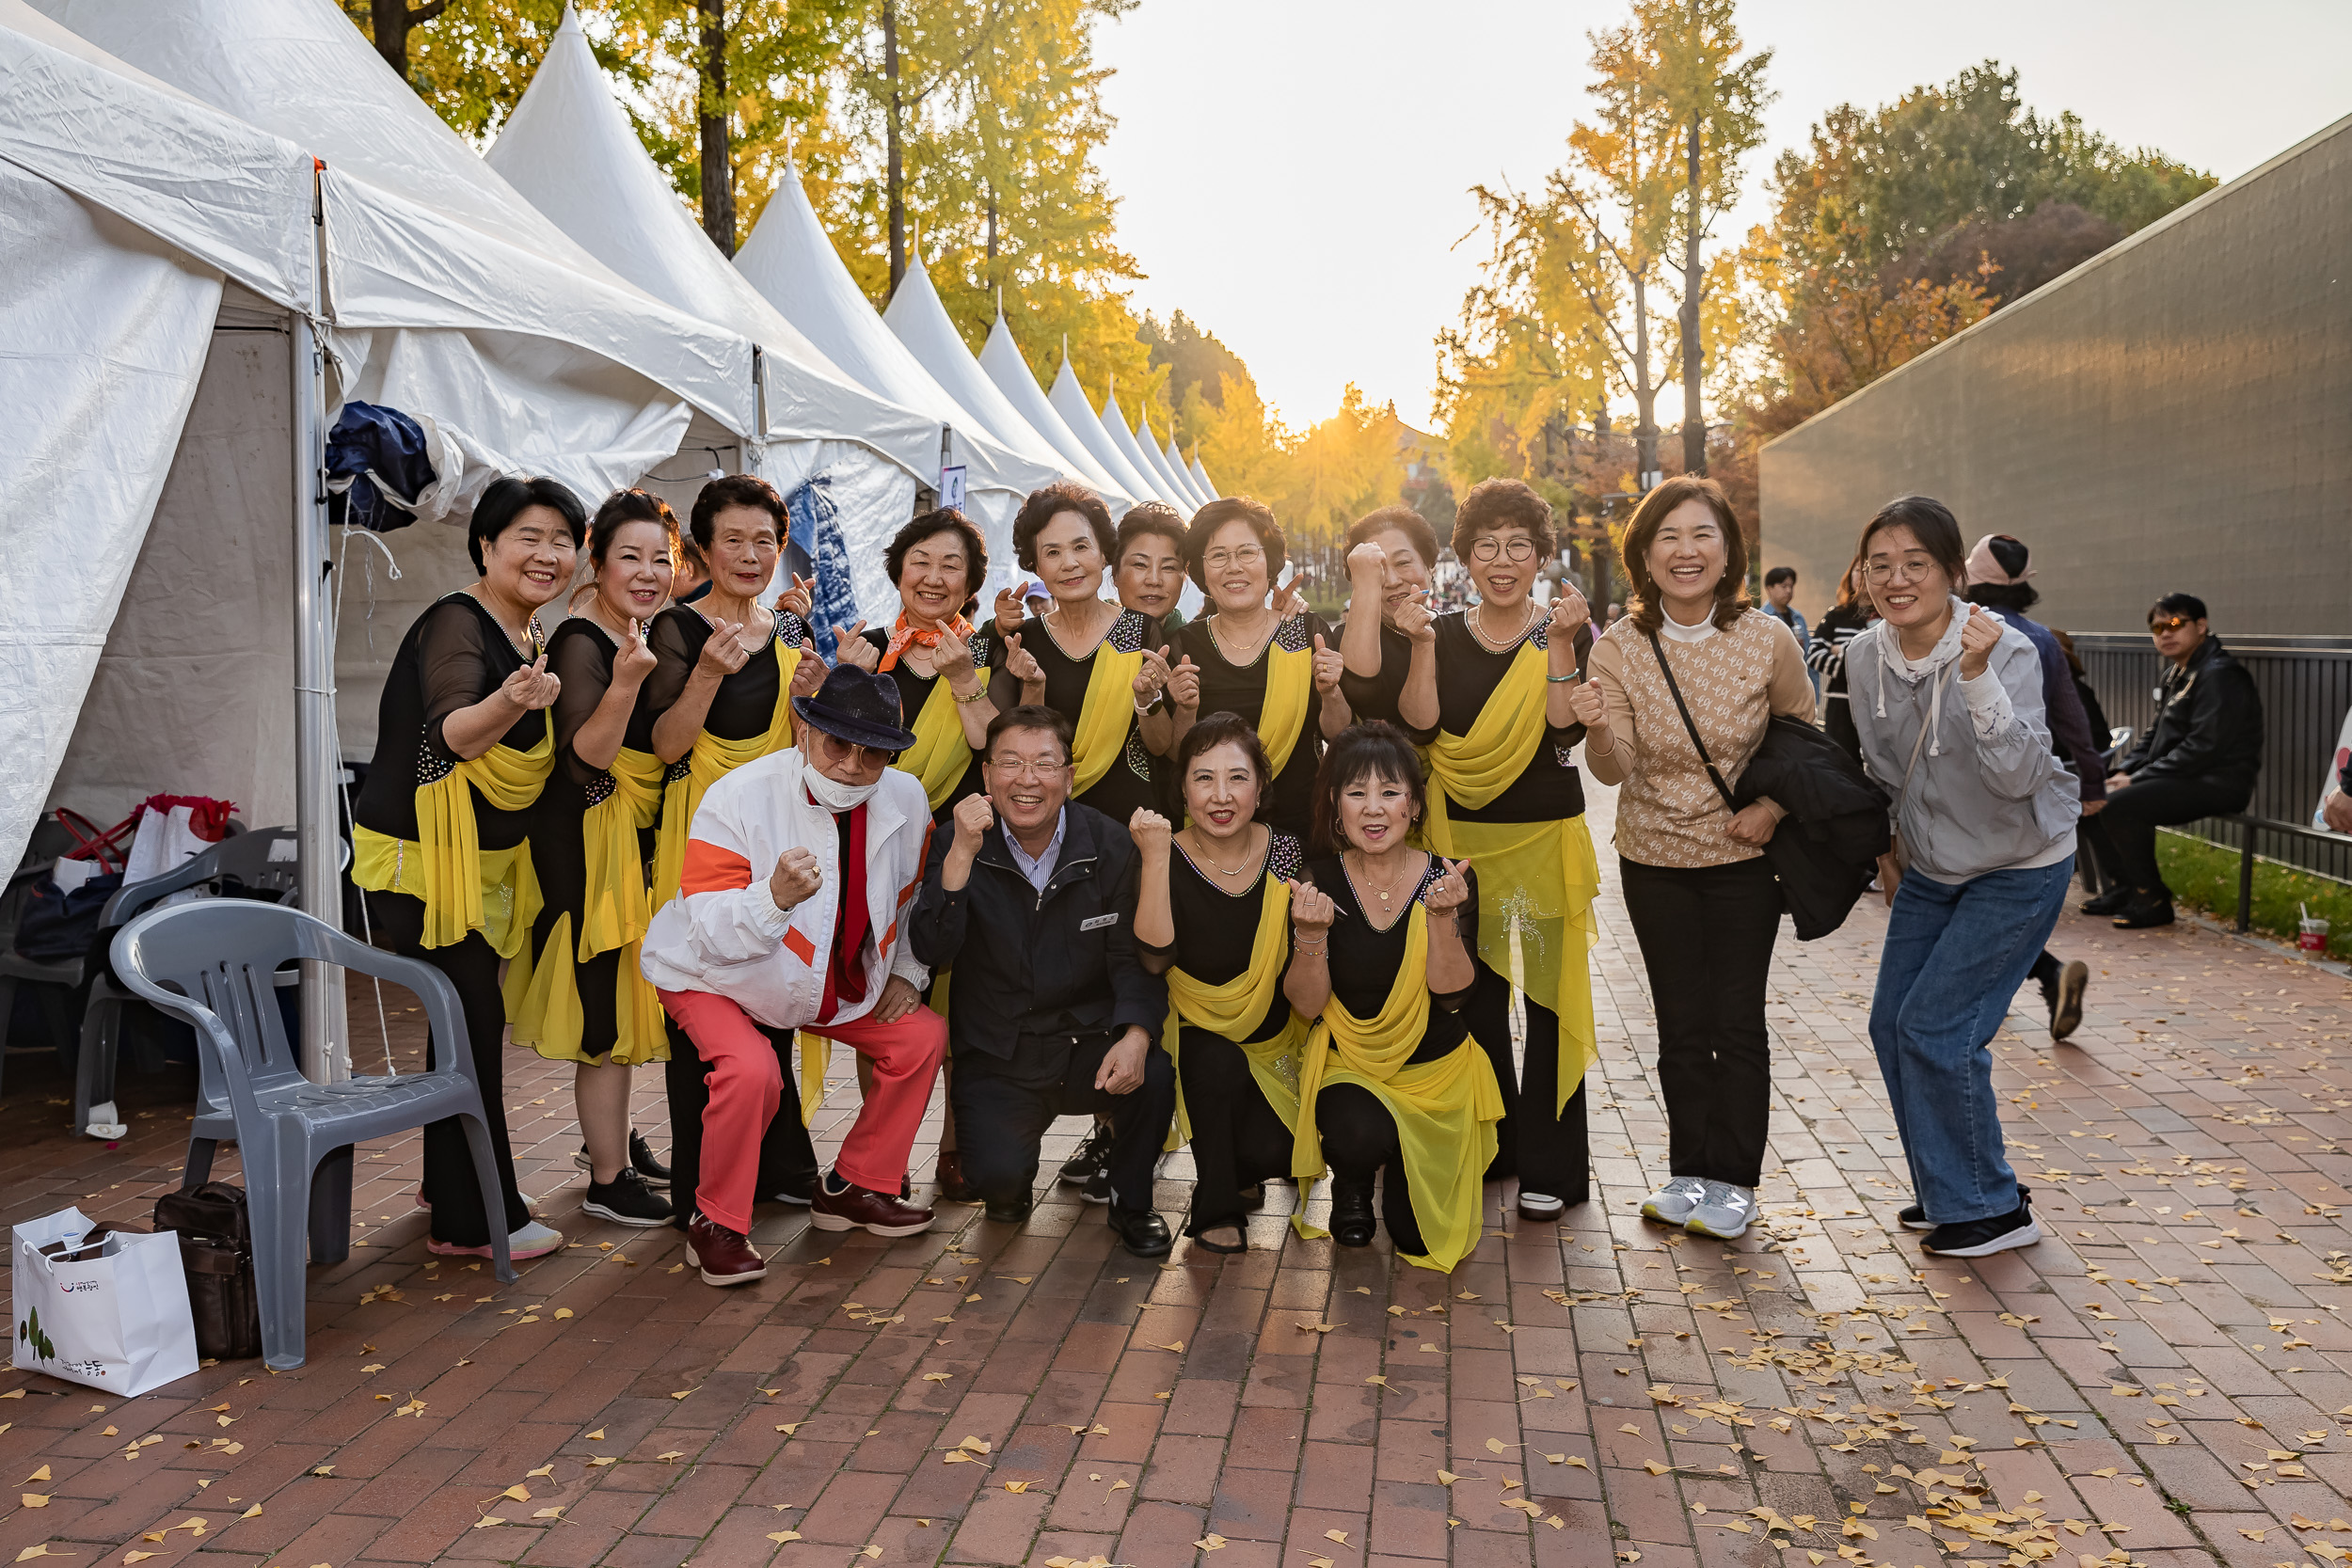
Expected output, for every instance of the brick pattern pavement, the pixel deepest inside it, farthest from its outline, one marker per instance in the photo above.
(2162, 1382)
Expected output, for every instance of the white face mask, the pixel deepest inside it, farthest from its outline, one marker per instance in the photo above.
(833, 794)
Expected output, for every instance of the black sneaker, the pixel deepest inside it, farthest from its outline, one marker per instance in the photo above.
(2110, 902)
(798, 1191)
(1978, 1238)
(627, 1200)
(1097, 1188)
(2151, 910)
(1915, 1218)
(2066, 1005)
(641, 1159)
(1080, 1168)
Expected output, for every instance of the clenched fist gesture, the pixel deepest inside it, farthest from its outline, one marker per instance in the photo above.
(796, 876)
(1152, 833)
(975, 815)
(1979, 636)
(1588, 707)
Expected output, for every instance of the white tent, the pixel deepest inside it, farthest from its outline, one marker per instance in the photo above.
(790, 260)
(1208, 486)
(1176, 465)
(1123, 439)
(1069, 399)
(1173, 473)
(918, 319)
(1001, 358)
(570, 149)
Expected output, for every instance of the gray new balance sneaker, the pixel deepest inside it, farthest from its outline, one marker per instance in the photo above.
(1672, 1203)
(1723, 1213)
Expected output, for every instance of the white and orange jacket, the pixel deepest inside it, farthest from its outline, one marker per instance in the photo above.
(723, 934)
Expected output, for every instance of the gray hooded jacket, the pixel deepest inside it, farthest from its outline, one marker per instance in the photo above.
(1986, 792)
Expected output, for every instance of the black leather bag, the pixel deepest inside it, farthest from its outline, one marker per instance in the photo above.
(1826, 850)
(217, 1252)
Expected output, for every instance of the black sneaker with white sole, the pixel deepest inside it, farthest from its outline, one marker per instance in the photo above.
(627, 1200)
(1915, 1218)
(1083, 1166)
(1097, 1188)
(1979, 1237)
(641, 1160)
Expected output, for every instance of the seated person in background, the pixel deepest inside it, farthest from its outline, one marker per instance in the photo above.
(1032, 899)
(796, 868)
(2197, 758)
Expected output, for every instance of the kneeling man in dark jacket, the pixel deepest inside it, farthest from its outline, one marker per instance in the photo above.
(1032, 901)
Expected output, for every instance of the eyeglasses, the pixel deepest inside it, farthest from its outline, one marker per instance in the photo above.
(1916, 570)
(1247, 555)
(2175, 622)
(1026, 768)
(1491, 549)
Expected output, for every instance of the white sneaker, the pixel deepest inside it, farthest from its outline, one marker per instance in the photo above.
(1722, 1213)
(532, 1241)
(1672, 1203)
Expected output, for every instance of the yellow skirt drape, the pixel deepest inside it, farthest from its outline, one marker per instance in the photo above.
(1105, 716)
(1239, 1004)
(464, 890)
(1289, 691)
(548, 1017)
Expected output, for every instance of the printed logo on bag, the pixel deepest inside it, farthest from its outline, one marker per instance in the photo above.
(71, 1287)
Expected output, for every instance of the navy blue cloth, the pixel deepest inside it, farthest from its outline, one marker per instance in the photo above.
(817, 534)
(384, 441)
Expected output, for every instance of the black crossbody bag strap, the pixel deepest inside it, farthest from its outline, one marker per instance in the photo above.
(1693, 730)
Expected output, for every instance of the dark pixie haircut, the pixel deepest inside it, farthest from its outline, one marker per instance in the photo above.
(1650, 515)
(1404, 520)
(737, 490)
(2178, 604)
(1215, 516)
(1779, 574)
(1376, 749)
(624, 507)
(1029, 716)
(1224, 729)
(508, 499)
(1499, 503)
(1151, 519)
(1043, 506)
(927, 524)
(1931, 523)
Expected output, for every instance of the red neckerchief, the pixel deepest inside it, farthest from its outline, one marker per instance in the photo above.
(845, 976)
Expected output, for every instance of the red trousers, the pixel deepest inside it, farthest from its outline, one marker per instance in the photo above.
(746, 1086)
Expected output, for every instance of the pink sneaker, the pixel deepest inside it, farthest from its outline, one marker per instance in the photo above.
(532, 1241)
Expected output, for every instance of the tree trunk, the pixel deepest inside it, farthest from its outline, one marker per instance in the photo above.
(895, 172)
(391, 21)
(1645, 394)
(718, 153)
(1693, 419)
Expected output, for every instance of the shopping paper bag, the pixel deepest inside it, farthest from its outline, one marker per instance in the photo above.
(173, 831)
(115, 1316)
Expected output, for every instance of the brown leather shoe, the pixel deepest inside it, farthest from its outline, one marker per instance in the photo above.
(949, 1179)
(725, 1257)
(855, 1207)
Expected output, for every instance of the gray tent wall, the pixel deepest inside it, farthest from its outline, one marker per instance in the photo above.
(2174, 414)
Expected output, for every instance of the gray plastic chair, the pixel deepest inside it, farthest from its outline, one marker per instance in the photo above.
(266, 860)
(215, 964)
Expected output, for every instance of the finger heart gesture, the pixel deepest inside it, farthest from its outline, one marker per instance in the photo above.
(531, 687)
(1450, 892)
(1311, 910)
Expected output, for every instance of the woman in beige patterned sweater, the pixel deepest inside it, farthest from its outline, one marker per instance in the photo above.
(1704, 903)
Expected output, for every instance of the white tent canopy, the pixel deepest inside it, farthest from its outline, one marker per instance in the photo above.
(1069, 399)
(1183, 476)
(918, 319)
(1009, 372)
(1208, 486)
(1173, 475)
(1124, 441)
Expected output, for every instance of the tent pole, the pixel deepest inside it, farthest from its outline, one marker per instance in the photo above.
(325, 1054)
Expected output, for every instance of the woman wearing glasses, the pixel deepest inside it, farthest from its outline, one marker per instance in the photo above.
(1947, 700)
(1505, 796)
(1693, 666)
(1278, 670)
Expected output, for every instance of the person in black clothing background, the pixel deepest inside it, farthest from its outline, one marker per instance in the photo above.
(2197, 758)
(1032, 898)
(1826, 654)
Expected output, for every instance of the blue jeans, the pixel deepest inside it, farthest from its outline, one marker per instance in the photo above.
(1952, 962)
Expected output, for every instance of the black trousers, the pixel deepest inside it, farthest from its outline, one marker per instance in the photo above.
(450, 1184)
(1707, 937)
(1005, 1104)
(1237, 1140)
(1549, 1154)
(1360, 1141)
(788, 1160)
(2122, 837)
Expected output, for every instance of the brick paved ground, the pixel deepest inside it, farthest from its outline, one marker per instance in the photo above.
(2153, 1384)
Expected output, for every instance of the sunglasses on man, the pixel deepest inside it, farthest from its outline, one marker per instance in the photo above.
(2162, 623)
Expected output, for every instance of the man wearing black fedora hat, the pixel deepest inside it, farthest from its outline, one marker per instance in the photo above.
(797, 867)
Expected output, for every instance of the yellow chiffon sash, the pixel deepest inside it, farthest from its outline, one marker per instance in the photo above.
(1445, 1110)
(711, 760)
(1476, 767)
(505, 887)
(940, 756)
(447, 873)
(1239, 1006)
(1290, 688)
(614, 914)
(1104, 719)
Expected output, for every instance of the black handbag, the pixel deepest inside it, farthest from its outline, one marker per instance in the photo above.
(57, 926)
(1825, 851)
(216, 1254)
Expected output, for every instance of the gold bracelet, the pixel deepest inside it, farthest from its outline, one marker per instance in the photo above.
(979, 692)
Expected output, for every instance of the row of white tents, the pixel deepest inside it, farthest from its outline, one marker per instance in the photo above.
(221, 219)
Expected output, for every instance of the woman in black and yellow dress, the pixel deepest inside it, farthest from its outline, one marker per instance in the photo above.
(1255, 657)
(1213, 915)
(725, 668)
(586, 1001)
(1505, 795)
(440, 831)
(1392, 1086)
(1100, 661)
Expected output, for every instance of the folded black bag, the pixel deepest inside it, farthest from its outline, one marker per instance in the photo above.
(216, 1253)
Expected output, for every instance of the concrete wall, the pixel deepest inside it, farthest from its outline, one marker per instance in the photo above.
(2175, 414)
